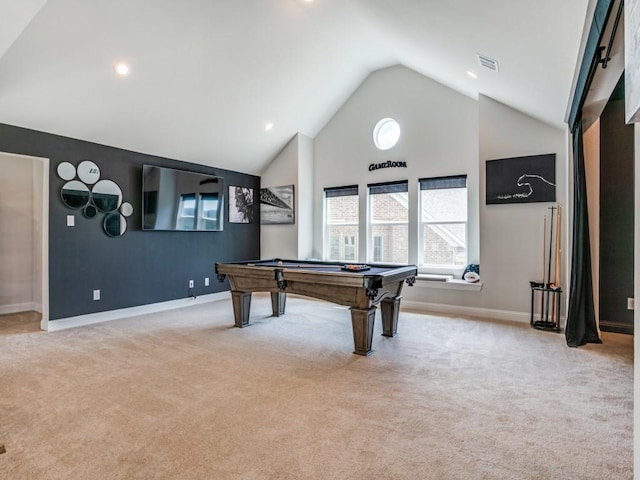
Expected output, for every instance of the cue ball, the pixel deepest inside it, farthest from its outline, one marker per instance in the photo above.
(279, 263)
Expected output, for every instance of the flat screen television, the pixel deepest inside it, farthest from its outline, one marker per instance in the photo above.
(174, 199)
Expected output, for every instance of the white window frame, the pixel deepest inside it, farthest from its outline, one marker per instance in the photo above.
(370, 223)
(326, 241)
(184, 198)
(349, 245)
(440, 269)
(380, 247)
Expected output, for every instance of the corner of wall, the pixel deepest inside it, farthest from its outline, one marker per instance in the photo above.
(292, 166)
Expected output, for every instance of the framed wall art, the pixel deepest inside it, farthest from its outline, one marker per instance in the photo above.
(277, 205)
(521, 179)
(240, 204)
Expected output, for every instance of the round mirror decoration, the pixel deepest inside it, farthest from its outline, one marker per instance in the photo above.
(75, 194)
(126, 209)
(106, 196)
(93, 196)
(66, 171)
(88, 172)
(114, 224)
(90, 211)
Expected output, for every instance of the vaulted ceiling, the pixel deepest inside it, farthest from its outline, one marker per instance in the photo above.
(206, 76)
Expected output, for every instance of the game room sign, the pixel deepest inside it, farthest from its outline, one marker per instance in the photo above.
(387, 164)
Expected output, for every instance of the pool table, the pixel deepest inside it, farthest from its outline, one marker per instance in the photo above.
(362, 290)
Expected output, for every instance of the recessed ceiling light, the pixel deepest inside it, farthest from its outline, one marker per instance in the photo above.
(471, 74)
(121, 68)
(268, 126)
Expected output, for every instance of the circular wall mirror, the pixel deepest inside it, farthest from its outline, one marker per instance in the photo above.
(88, 172)
(66, 171)
(90, 211)
(126, 209)
(114, 224)
(75, 194)
(106, 196)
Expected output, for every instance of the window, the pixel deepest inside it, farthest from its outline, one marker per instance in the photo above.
(341, 223)
(198, 212)
(443, 221)
(208, 218)
(377, 248)
(389, 222)
(386, 133)
(187, 212)
(349, 247)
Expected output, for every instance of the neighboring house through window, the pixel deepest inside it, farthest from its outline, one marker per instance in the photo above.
(341, 223)
(389, 221)
(443, 222)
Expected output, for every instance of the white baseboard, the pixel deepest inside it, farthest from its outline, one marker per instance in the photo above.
(504, 315)
(91, 318)
(20, 307)
(422, 307)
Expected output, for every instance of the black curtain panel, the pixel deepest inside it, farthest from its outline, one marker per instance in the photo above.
(581, 320)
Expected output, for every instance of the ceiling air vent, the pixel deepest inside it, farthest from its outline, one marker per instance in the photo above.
(487, 62)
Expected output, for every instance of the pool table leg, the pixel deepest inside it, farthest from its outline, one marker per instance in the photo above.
(278, 301)
(241, 306)
(389, 308)
(362, 322)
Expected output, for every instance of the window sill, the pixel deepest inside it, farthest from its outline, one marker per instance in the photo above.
(429, 281)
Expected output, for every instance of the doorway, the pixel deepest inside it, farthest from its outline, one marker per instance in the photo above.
(24, 234)
(616, 215)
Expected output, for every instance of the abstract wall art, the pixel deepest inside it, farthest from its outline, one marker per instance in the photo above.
(521, 179)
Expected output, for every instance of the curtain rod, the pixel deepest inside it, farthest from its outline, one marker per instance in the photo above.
(604, 61)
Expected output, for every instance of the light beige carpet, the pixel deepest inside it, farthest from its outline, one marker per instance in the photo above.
(185, 395)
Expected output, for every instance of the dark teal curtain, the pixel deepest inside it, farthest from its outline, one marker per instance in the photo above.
(581, 321)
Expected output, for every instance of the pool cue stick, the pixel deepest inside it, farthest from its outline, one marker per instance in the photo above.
(555, 271)
(544, 242)
(550, 246)
(557, 274)
(549, 264)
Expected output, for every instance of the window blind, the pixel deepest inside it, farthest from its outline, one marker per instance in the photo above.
(436, 183)
(341, 191)
(388, 187)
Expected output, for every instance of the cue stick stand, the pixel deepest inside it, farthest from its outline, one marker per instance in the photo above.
(549, 319)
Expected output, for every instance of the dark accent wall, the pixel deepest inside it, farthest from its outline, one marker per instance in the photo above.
(140, 267)
(616, 215)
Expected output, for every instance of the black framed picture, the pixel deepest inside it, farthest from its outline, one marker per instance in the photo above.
(521, 179)
(277, 205)
(240, 204)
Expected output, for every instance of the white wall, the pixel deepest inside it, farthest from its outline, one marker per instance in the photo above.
(39, 230)
(511, 236)
(592, 173)
(292, 166)
(446, 133)
(304, 217)
(19, 285)
(439, 137)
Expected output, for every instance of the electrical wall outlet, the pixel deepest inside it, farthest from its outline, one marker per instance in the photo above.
(206, 281)
(96, 294)
(190, 283)
(631, 303)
